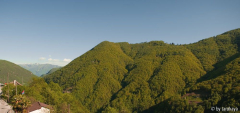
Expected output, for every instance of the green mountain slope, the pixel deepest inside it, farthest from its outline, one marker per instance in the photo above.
(15, 72)
(101, 71)
(221, 91)
(155, 76)
(39, 69)
(212, 50)
(51, 71)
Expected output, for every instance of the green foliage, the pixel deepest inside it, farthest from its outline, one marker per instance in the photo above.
(52, 94)
(110, 110)
(15, 73)
(212, 50)
(20, 102)
(222, 90)
(123, 77)
(8, 91)
(51, 71)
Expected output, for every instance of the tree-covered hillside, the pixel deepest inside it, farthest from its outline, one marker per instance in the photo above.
(51, 71)
(15, 72)
(155, 76)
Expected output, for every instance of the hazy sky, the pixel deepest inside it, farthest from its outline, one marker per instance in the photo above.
(56, 32)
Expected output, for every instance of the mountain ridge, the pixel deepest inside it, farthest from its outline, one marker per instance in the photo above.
(136, 77)
(15, 72)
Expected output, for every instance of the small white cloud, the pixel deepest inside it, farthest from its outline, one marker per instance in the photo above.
(42, 58)
(66, 60)
(55, 60)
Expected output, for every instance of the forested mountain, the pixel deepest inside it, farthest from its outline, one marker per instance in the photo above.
(51, 71)
(39, 69)
(15, 72)
(155, 76)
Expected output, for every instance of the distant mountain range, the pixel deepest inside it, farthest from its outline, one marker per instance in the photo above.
(153, 77)
(39, 69)
(15, 72)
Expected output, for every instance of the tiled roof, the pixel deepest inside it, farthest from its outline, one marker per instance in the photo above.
(38, 105)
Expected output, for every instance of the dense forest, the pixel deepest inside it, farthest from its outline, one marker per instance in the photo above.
(51, 71)
(15, 72)
(155, 76)
(147, 77)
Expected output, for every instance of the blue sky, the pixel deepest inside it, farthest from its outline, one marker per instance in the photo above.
(58, 31)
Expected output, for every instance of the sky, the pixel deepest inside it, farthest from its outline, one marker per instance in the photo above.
(58, 31)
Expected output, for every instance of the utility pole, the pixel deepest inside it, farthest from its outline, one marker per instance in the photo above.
(16, 87)
(8, 86)
(68, 108)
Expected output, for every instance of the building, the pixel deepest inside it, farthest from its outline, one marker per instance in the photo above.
(14, 82)
(39, 107)
(1, 85)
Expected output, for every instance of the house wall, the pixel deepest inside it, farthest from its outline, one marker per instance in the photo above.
(0, 89)
(42, 110)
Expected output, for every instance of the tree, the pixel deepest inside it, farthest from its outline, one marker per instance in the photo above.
(110, 110)
(20, 102)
